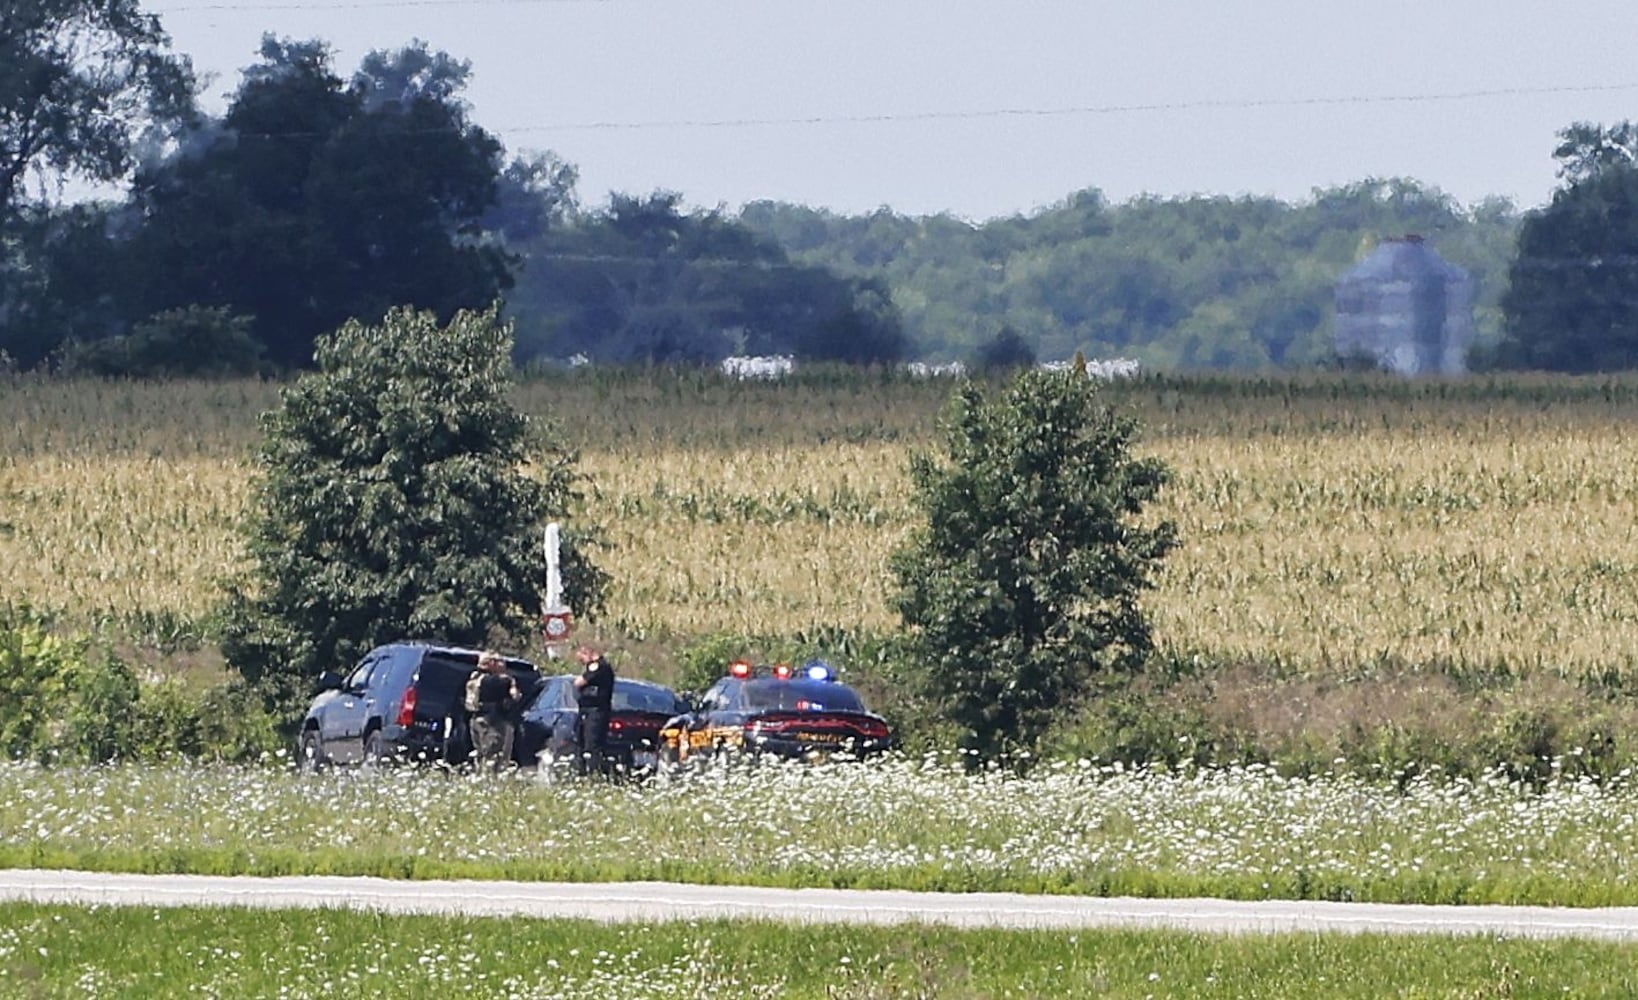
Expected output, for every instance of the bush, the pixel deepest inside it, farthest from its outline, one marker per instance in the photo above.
(176, 343)
(63, 699)
(69, 700)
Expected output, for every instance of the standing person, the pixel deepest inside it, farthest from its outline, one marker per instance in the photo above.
(594, 689)
(491, 694)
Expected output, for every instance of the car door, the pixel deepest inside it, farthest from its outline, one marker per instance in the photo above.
(557, 712)
(342, 728)
(701, 725)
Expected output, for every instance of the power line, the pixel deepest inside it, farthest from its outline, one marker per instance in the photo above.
(1092, 109)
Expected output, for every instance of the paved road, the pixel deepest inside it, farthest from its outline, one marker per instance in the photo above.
(649, 901)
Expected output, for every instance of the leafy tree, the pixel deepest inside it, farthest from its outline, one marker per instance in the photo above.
(1572, 301)
(534, 195)
(316, 200)
(82, 81)
(1022, 587)
(392, 503)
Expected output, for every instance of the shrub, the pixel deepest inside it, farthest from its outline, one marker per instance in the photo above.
(64, 700)
(176, 343)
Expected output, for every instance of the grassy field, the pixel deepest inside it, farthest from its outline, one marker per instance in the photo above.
(68, 952)
(1238, 833)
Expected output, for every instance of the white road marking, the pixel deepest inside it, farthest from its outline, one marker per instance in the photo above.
(656, 901)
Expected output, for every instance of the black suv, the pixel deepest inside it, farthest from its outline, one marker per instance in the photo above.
(402, 702)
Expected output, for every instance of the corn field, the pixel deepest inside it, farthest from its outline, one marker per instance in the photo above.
(1329, 524)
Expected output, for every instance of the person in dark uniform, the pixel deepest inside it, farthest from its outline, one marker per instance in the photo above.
(491, 695)
(594, 689)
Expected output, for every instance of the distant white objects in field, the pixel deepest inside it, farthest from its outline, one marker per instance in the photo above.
(922, 369)
(1104, 368)
(771, 366)
(578, 361)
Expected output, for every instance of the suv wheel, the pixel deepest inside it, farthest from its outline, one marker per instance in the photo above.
(375, 750)
(309, 755)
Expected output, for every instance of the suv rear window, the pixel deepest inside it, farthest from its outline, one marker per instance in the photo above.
(443, 675)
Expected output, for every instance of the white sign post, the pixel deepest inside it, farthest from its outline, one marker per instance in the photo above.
(556, 618)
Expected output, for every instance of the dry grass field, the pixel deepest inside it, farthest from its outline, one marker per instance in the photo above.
(1330, 525)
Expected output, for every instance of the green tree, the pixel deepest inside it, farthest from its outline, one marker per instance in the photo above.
(1021, 589)
(392, 503)
(1572, 300)
(316, 200)
(82, 81)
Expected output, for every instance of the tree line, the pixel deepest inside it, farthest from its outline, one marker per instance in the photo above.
(320, 197)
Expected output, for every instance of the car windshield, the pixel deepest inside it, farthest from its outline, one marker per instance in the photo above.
(801, 696)
(630, 697)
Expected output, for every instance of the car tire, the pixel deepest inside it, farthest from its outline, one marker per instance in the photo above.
(375, 750)
(310, 757)
(554, 767)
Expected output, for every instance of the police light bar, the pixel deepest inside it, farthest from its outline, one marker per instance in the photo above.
(740, 668)
(818, 670)
(782, 671)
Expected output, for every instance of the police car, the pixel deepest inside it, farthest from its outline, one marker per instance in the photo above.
(780, 710)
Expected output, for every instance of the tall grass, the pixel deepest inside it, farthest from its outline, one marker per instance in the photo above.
(927, 824)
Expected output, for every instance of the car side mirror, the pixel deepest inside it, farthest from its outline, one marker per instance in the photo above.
(330, 681)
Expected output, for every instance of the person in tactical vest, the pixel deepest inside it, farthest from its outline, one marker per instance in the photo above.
(491, 695)
(594, 689)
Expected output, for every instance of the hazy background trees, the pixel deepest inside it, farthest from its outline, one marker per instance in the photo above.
(321, 196)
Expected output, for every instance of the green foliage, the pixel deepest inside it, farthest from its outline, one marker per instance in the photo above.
(82, 82)
(1180, 284)
(316, 200)
(1570, 305)
(224, 722)
(69, 700)
(1022, 587)
(64, 700)
(177, 343)
(393, 503)
(646, 283)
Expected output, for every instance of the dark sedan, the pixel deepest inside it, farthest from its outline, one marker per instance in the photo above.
(794, 712)
(550, 734)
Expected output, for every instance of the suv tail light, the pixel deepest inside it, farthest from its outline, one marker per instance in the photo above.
(406, 710)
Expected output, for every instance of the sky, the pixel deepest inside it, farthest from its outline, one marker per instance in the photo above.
(991, 108)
